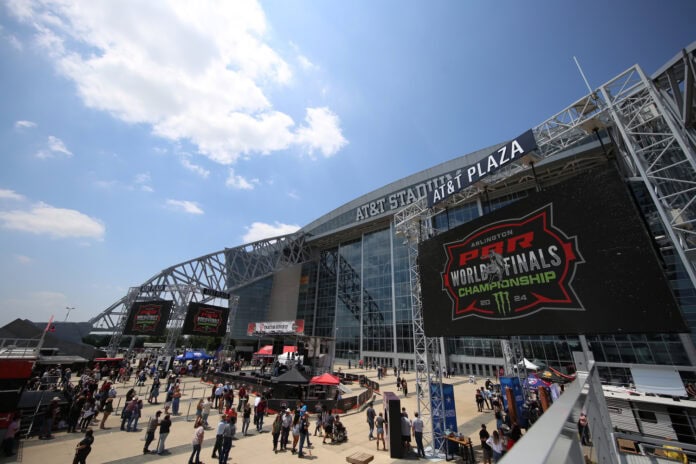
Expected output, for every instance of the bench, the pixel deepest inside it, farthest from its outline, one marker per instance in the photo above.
(359, 458)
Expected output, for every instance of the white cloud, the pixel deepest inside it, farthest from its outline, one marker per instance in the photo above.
(294, 195)
(190, 207)
(54, 146)
(199, 71)
(321, 132)
(260, 230)
(240, 183)
(43, 219)
(24, 124)
(6, 194)
(21, 259)
(200, 170)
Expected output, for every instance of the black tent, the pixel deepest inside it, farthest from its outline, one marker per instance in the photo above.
(291, 377)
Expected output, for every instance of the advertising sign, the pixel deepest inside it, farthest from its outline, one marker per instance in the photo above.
(148, 318)
(575, 258)
(295, 327)
(205, 319)
(450, 422)
(514, 384)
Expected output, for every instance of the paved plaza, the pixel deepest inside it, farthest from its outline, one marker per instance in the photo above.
(114, 446)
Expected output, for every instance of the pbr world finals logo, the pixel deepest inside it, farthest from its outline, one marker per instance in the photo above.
(207, 320)
(512, 268)
(147, 317)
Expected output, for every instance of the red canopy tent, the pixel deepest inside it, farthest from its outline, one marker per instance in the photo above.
(289, 349)
(266, 350)
(325, 379)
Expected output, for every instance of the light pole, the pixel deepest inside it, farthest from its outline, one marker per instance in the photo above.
(69, 308)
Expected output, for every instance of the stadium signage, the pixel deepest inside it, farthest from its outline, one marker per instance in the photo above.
(519, 270)
(401, 198)
(276, 328)
(148, 318)
(512, 268)
(215, 293)
(440, 187)
(511, 151)
(205, 319)
(152, 288)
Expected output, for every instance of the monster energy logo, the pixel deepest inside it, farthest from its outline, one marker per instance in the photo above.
(502, 302)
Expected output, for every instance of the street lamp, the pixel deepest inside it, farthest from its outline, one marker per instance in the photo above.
(69, 308)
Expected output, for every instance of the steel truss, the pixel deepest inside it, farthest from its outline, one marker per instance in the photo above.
(198, 279)
(656, 123)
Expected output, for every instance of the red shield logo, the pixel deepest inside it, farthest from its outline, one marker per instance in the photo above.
(512, 268)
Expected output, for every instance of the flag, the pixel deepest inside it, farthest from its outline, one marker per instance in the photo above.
(50, 327)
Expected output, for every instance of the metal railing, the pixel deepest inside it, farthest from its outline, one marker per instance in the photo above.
(554, 437)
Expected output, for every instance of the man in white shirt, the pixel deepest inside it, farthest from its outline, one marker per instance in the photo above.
(417, 428)
(218, 436)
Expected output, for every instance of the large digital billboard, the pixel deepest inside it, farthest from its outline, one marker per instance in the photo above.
(148, 318)
(575, 258)
(205, 319)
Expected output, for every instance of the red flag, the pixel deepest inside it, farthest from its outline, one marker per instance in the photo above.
(50, 327)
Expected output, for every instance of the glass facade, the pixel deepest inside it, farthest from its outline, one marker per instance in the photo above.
(359, 293)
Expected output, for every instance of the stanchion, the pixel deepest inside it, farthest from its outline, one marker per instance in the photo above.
(118, 405)
(188, 410)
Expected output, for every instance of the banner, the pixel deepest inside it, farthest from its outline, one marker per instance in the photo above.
(575, 258)
(148, 318)
(514, 150)
(514, 384)
(450, 422)
(295, 327)
(205, 319)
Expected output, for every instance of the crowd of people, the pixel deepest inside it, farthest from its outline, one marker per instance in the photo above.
(89, 401)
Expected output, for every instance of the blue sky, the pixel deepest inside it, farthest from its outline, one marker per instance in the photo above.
(137, 135)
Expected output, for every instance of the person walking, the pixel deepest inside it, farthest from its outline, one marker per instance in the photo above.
(83, 448)
(417, 427)
(206, 407)
(246, 418)
(260, 413)
(227, 433)
(304, 433)
(286, 424)
(485, 447)
(176, 398)
(479, 400)
(107, 410)
(497, 446)
(379, 423)
(217, 448)
(275, 430)
(370, 413)
(152, 425)
(165, 425)
(197, 443)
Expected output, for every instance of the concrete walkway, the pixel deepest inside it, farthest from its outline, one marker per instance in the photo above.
(114, 446)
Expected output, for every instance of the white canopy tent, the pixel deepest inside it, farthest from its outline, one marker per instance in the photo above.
(527, 364)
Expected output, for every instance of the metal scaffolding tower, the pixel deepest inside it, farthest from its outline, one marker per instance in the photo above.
(655, 121)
